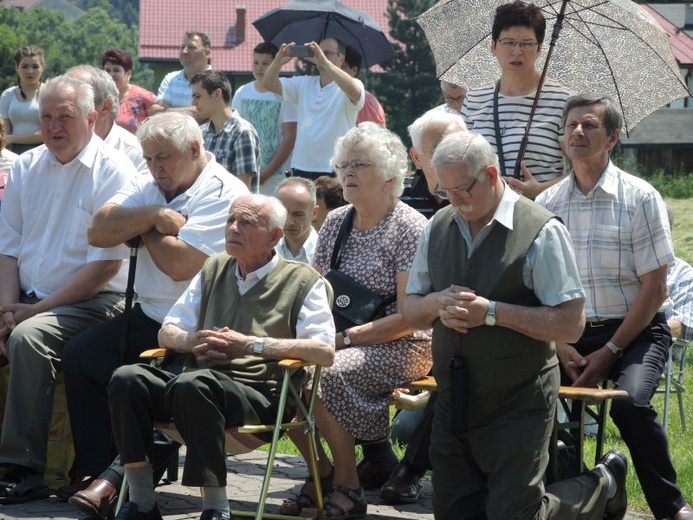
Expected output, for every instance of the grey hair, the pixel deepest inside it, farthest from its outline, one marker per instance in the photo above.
(84, 93)
(179, 129)
(467, 148)
(385, 149)
(308, 184)
(277, 213)
(613, 117)
(440, 118)
(102, 83)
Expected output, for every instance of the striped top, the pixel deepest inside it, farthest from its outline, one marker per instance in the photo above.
(543, 156)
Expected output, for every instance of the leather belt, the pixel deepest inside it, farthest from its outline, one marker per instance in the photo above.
(604, 323)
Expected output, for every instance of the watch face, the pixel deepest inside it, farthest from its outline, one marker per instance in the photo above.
(490, 321)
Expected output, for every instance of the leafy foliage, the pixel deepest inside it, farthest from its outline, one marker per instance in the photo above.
(67, 43)
(408, 87)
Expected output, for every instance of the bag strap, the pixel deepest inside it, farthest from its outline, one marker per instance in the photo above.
(341, 239)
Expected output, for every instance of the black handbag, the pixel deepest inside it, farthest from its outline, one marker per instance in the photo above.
(353, 303)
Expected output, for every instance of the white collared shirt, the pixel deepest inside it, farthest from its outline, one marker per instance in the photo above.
(125, 142)
(549, 270)
(47, 209)
(314, 319)
(305, 254)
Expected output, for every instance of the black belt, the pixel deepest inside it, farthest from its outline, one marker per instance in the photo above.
(605, 323)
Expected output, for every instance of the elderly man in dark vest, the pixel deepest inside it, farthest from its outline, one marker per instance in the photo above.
(246, 309)
(496, 278)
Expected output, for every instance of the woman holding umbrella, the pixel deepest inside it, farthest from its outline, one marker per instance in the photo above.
(500, 111)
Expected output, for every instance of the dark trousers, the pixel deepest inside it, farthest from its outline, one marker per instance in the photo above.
(420, 441)
(495, 471)
(89, 360)
(638, 372)
(201, 403)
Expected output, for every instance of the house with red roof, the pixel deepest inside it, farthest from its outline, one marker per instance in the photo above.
(228, 25)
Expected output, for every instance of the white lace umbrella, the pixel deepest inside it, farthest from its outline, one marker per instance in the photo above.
(599, 46)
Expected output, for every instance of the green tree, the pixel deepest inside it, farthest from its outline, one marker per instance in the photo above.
(408, 87)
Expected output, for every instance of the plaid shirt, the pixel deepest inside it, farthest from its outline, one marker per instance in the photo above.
(680, 285)
(620, 232)
(236, 147)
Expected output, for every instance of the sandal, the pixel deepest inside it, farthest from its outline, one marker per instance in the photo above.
(297, 503)
(333, 511)
(24, 489)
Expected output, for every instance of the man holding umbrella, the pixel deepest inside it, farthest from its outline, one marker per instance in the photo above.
(328, 104)
(180, 213)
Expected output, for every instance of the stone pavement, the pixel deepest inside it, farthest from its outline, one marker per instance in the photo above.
(245, 478)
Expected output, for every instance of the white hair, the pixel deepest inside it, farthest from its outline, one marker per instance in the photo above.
(439, 118)
(467, 148)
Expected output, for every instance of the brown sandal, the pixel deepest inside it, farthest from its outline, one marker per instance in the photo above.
(297, 503)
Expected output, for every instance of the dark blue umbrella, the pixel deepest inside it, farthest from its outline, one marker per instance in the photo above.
(303, 21)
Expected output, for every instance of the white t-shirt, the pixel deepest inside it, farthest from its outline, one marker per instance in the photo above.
(24, 115)
(125, 142)
(266, 112)
(324, 115)
(205, 205)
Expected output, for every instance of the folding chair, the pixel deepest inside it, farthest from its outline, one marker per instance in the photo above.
(242, 439)
(673, 379)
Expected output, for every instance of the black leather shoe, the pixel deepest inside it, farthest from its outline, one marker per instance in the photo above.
(617, 464)
(685, 513)
(372, 476)
(403, 486)
(129, 511)
(215, 514)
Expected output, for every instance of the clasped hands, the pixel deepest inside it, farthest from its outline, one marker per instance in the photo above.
(219, 346)
(461, 309)
(587, 371)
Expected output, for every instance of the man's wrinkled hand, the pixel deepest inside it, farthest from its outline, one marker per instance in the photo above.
(169, 222)
(19, 312)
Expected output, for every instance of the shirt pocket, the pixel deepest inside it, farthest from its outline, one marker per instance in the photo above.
(606, 247)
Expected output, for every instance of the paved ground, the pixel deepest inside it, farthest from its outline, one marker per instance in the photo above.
(245, 476)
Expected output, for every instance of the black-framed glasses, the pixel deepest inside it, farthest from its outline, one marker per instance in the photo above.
(460, 192)
(525, 45)
(354, 166)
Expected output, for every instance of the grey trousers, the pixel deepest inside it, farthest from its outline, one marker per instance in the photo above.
(34, 351)
(495, 471)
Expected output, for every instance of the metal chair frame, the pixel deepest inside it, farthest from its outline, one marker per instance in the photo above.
(673, 380)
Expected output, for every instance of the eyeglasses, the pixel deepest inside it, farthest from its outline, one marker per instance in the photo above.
(451, 99)
(524, 44)
(354, 166)
(330, 54)
(460, 192)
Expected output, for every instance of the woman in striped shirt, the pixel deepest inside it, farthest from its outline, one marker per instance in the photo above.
(500, 111)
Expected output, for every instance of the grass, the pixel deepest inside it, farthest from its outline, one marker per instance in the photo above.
(679, 441)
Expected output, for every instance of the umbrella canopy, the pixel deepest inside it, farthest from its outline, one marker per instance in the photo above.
(303, 21)
(604, 46)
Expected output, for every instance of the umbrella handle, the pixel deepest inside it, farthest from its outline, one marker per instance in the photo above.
(525, 138)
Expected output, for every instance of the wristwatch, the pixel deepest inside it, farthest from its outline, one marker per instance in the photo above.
(490, 319)
(258, 346)
(616, 351)
(345, 338)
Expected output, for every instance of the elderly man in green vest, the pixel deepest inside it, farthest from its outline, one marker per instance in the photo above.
(496, 278)
(246, 309)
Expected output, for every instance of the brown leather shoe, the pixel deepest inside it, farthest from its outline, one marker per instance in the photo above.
(403, 486)
(97, 501)
(685, 513)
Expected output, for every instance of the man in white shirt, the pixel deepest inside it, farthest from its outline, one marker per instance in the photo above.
(245, 310)
(454, 97)
(328, 104)
(300, 238)
(106, 101)
(179, 212)
(53, 284)
(175, 91)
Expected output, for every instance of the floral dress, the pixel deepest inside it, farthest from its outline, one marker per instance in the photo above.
(356, 389)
